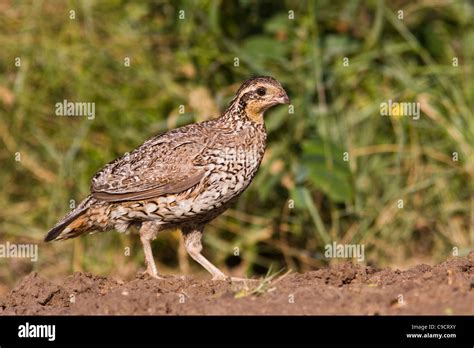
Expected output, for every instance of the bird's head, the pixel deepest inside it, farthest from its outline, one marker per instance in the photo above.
(258, 94)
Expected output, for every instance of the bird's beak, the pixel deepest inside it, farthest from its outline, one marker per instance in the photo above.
(282, 98)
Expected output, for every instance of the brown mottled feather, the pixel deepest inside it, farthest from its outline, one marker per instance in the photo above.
(174, 187)
(163, 164)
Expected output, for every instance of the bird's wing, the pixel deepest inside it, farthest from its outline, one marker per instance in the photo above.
(163, 165)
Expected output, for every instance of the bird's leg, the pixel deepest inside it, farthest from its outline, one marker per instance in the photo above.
(192, 242)
(148, 232)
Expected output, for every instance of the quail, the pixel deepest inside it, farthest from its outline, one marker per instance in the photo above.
(182, 179)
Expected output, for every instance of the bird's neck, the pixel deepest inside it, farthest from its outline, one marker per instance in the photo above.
(243, 113)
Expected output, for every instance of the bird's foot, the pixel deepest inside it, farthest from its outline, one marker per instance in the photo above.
(238, 279)
(220, 276)
(151, 274)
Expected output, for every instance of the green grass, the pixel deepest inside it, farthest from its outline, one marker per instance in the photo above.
(306, 194)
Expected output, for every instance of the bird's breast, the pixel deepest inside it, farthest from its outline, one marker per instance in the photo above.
(229, 169)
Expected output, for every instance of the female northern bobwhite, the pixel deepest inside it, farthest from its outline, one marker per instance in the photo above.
(183, 178)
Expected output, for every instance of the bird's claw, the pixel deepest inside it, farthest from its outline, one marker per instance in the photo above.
(151, 274)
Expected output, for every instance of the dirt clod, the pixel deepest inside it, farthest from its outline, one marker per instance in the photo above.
(348, 288)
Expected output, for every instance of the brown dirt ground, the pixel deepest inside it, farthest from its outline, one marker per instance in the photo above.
(447, 288)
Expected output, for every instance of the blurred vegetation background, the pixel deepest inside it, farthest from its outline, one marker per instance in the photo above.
(334, 170)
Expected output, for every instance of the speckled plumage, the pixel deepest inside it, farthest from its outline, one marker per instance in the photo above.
(183, 178)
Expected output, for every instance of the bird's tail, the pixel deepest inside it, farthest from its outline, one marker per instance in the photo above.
(73, 224)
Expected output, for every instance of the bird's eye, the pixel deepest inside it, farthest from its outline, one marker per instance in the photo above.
(261, 91)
